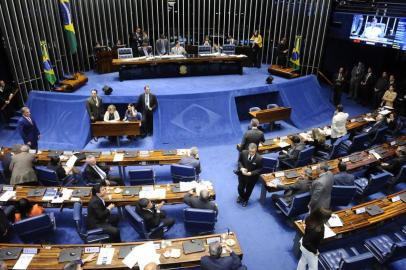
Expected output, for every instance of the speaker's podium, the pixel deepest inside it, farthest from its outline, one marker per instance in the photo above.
(286, 72)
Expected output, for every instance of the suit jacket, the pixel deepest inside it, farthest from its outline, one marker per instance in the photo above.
(151, 217)
(395, 165)
(197, 202)
(252, 136)
(339, 81)
(192, 162)
(141, 51)
(293, 152)
(357, 73)
(344, 179)
(254, 166)
(300, 186)
(90, 175)
(22, 169)
(374, 128)
(381, 85)
(29, 132)
(320, 191)
(97, 213)
(162, 46)
(232, 262)
(339, 125)
(93, 110)
(60, 171)
(141, 106)
(178, 51)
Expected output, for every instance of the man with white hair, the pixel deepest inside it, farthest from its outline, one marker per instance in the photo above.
(22, 168)
(201, 202)
(192, 160)
(96, 173)
(27, 128)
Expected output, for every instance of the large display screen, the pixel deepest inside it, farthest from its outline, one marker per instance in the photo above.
(379, 31)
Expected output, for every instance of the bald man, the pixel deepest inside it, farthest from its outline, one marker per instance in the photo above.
(201, 202)
(151, 266)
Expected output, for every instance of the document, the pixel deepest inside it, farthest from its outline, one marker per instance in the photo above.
(328, 232)
(144, 153)
(182, 152)
(279, 174)
(375, 154)
(66, 194)
(71, 162)
(143, 255)
(385, 112)
(283, 144)
(334, 221)
(159, 193)
(369, 119)
(24, 261)
(105, 256)
(7, 196)
(118, 157)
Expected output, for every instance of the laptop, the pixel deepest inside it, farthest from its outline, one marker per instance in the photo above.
(11, 253)
(70, 254)
(193, 246)
(373, 210)
(38, 192)
(403, 197)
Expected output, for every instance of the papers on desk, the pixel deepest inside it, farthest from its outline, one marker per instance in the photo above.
(183, 152)
(186, 186)
(327, 131)
(143, 153)
(159, 193)
(7, 195)
(50, 194)
(275, 181)
(241, 55)
(143, 255)
(105, 256)
(334, 221)
(279, 174)
(328, 232)
(306, 136)
(283, 144)
(385, 112)
(24, 261)
(66, 194)
(369, 119)
(118, 157)
(71, 162)
(375, 154)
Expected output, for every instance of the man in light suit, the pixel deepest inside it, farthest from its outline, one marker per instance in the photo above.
(343, 178)
(200, 202)
(192, 160)
(320, 190)
(146, 104)
(94, 106)
(162, 45)
(339, 123)
(216, 262)
(28, 129)
(249, 169)
(178, 49)
(254, 135)
(22, 168)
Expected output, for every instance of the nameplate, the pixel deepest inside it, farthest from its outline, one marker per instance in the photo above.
(30, 250)
(360, 210)
(8, 188)
(395, 199)
(393, 143)
(314, 167)
(279, 174)
(92, 250)
(32, 151)
(345, 159)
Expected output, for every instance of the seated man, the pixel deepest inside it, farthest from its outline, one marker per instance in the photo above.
(290, 191)
(6, 160)
(393, 166)
(216, 262)
(343, 178)
(99, 215)
(380, 123)
(293, 153)
(178, 49)
(96, 174)
(61, 171)
(200, 202)
(254, 135)
(4, 227)
(192, 160)
(153, 215)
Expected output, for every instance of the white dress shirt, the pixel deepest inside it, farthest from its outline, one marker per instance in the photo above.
(338, 125)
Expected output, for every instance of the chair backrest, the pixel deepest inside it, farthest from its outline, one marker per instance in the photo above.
(359, 142)
(342, 195)
(47, 177)
(357, 262)
(125, 53)
(141, 177)
(337, 148)
(402, 174)
(136, 221)
(299, 204)
(305, 156)
(183, 173)
(79, 219)
(272, 105)
(34, 227)
(399, 251)
(269, 164)
(379, 135)
(253, 109)
(377, 182)
(199, 219)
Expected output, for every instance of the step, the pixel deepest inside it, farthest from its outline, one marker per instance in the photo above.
(12, 125)
(14, 119)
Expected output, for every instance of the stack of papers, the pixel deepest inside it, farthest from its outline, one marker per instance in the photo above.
(328, 232)
(159, 193)
(183, 152)
(385, 112)
(369, 119)
(24, 261)
(50, 194)
(118, 157)
(7, 195)
(279, 174)
(66, 194)
(375, 154)
(327, 131)
(144, 153)
(275, 182)
(71, 162)
(186, 186)
(143, 255)
(105, 256)
(334, 221)
(283, 144)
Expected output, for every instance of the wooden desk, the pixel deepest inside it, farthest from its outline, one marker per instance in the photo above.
(155, 67)
(366, 158)
(70, 85)
(287, 72)
(112, 197)
(120, 128)
(47, 257)
(271, 115)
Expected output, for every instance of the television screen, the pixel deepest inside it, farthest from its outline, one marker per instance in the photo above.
(379, 31)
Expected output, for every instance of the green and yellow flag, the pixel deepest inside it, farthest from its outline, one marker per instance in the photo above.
(64, 6)
(295, 58)
(48, 70)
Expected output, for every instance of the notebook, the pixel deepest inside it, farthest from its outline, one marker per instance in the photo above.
(70, 254)
(124, 251)
(193, 246)
(11, 253)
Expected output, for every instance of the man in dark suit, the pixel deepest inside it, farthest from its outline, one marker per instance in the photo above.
(249, 169)
(153, 216)
(366, 87)
(320, 190)
(4, 226)
(94, 106)
(201, 202)
(99, 215)
(216, 262)
(162, 45)
(145, 50)
(381, 85)
(293, 153)
(146, 104)
(357, 73)
(379, 123)
(254, 135)
(343, 178)
(192, 160)
(97, 174)
(28, 129)
(6, 93)
(393, 166)
(338, 79)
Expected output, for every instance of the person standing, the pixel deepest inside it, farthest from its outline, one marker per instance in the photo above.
(27, 128)
(389, 97)
(282, 52)
(22, 168)
(339, 123)
(366, 87)
(249, 169)
(256, 48)
(320, 191)
(147, 103)
(94, 106)
(136, 40)
(357, 74)
(254, 135)
(162, 45)
(6, 93)
(339, 79)
(380, 87)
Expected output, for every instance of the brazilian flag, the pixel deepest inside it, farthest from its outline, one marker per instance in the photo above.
(295, 58)
(64, 6)
(48, 70)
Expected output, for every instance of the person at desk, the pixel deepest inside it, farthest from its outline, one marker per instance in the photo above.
(147, 103)
(216, 262)
(145, 50)
(178, 49)
(389, 97)
(94, 106)
(22, 168)
(379, 89)
(99, 215)
(78, 264)
(395, 124)
(131, 114)
(380, 122)
(320, 191)
(200, 202)
(27, 128)
(343, 178)
(25, 209)
(98, 174)
(153, 215)
(145, 38)
(339, 79)
(256, 40)
(393, 166)
(192, 160)
(249, 169)
(111, 115)
(253, 135)
(61, 171)
(293, 153)
(339, 123)
(6, 160)
(282, 52)
(136, 39)
(207, 41)
(162, 45)
(231, 41)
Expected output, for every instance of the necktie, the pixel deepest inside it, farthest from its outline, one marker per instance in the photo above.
(100, 172)
(250, 158)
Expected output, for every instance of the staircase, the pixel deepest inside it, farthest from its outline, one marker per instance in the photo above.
(12, 122)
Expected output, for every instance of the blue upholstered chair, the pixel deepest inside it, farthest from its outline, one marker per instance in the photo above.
(35, 228)
(379, 136)
(47, 177)
(304, 158)
(254, 109)
(401, 176)
(137, 222)
(141, 177)
(88, 236)
(199, 220)
(346, 259)
(297, 207)
(334, 152)
(342, 195)
(182, 173)
(269, 164)
(359, 142)
(375, 183)
(386, 248)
